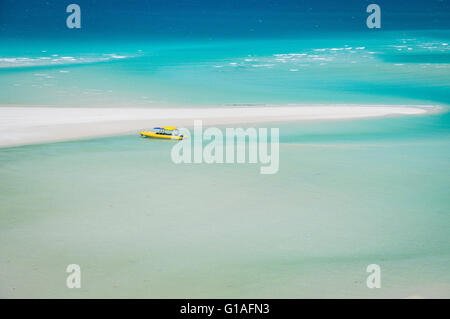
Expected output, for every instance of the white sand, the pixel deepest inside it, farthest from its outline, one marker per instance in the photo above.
(26, 125)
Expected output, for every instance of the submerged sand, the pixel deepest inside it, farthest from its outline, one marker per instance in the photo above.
(20, 125)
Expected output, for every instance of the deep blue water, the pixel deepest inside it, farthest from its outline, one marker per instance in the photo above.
(214, 19)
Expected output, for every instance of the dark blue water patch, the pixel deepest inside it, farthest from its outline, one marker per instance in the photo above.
(232, 18)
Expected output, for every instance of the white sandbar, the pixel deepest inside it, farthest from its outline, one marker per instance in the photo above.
(21, 125)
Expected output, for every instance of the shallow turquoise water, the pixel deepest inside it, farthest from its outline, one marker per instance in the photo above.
(391, 67)
(347, 194)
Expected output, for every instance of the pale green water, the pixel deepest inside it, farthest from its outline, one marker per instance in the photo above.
(348, 194)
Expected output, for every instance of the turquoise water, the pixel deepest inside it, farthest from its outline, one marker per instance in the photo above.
(348, 193)
(394, 67)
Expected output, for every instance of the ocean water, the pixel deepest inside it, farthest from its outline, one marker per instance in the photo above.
(347, 194)
(393, 67)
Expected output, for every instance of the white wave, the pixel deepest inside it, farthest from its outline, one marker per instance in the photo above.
(262, 65)
(55, 59)
(306, 58)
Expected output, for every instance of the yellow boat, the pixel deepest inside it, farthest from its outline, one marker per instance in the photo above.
(168, 132)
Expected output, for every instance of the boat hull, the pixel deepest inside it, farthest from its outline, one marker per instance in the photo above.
(161, 136)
